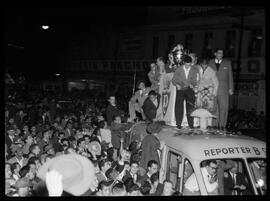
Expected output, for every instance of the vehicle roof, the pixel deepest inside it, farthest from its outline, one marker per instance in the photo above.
(215, 144)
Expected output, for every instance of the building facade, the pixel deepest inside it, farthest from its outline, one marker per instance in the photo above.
(116, 56)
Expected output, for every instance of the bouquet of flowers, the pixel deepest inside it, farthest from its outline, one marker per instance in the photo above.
(205, 98)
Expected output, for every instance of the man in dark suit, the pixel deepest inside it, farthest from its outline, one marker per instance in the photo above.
(133, 172)
(185, 79)
(225, 77)
(9, 138)
(234, 181)
(111, 110)
(150, 106)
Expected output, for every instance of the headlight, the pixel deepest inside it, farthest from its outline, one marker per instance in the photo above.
(260, 182)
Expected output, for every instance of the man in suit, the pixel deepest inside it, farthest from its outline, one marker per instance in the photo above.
(112, 110)
(133, 172)
(185, 79)
(234, 181)
(150, 106)
(19, 158)
(137, 100)
(104, 165)
(9, 138)
(225, 77)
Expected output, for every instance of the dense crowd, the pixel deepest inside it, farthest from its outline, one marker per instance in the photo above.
(44, 128)
(40, 127)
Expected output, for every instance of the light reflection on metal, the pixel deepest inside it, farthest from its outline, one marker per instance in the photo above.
(260, 182)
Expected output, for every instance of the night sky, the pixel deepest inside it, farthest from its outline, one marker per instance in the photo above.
(42, 49)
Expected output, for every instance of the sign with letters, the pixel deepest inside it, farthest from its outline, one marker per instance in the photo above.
(235, 150)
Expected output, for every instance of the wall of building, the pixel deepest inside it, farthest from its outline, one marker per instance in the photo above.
(117, 55)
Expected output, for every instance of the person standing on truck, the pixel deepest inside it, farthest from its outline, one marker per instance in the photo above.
(185, 79)
(225, 89)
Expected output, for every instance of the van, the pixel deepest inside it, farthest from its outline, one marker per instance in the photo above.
(187, 153)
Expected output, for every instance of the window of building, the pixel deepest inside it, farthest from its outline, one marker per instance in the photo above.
(188, 41)
(230, 43)
(155, 47)
(207, 45)
(255, 43)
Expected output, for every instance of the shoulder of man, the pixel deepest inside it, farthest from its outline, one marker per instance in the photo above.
(226, 61)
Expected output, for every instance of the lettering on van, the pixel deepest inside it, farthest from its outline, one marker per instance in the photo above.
(235, 150)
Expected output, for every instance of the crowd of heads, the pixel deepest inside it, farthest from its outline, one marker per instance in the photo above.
(39, 128)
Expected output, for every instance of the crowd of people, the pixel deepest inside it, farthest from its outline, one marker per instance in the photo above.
(88, 132)
(42, 129)
(200, 82)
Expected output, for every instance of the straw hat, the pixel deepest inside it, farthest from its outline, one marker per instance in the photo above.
(77, 172)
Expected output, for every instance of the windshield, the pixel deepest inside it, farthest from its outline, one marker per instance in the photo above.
(222, 177)
(258, 172)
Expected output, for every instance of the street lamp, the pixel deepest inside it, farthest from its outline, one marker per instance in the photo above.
(45, 27)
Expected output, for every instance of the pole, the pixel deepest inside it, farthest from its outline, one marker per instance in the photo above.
(239, 59)
(134, 80)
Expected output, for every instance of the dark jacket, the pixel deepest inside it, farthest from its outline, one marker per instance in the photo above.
(111, 111)
(179, 77)
(229, 183)
(118, 131)
(149, 108)
(150, 145)
(224, 75)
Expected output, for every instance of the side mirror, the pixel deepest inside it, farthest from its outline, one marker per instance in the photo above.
(179, 159)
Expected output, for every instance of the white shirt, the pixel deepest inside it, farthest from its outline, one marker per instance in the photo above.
(209, 187)
(218, 61)
(192, 184)
(155, 102)
(187, 71)
(20, 161)
(106, 136)
(233, 175)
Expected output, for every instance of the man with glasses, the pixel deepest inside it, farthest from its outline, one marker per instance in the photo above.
(209, 173)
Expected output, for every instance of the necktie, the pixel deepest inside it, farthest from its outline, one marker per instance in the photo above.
(217, 65)
(234, 181)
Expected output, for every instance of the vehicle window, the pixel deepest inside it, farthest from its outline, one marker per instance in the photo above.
(226, 177)
(173, 168)
(258, 172)
(190, 184)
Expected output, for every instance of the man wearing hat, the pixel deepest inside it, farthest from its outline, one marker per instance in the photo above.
(70, 173)
(151, 145)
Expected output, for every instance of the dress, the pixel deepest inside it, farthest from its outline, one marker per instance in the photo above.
(207, 89)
